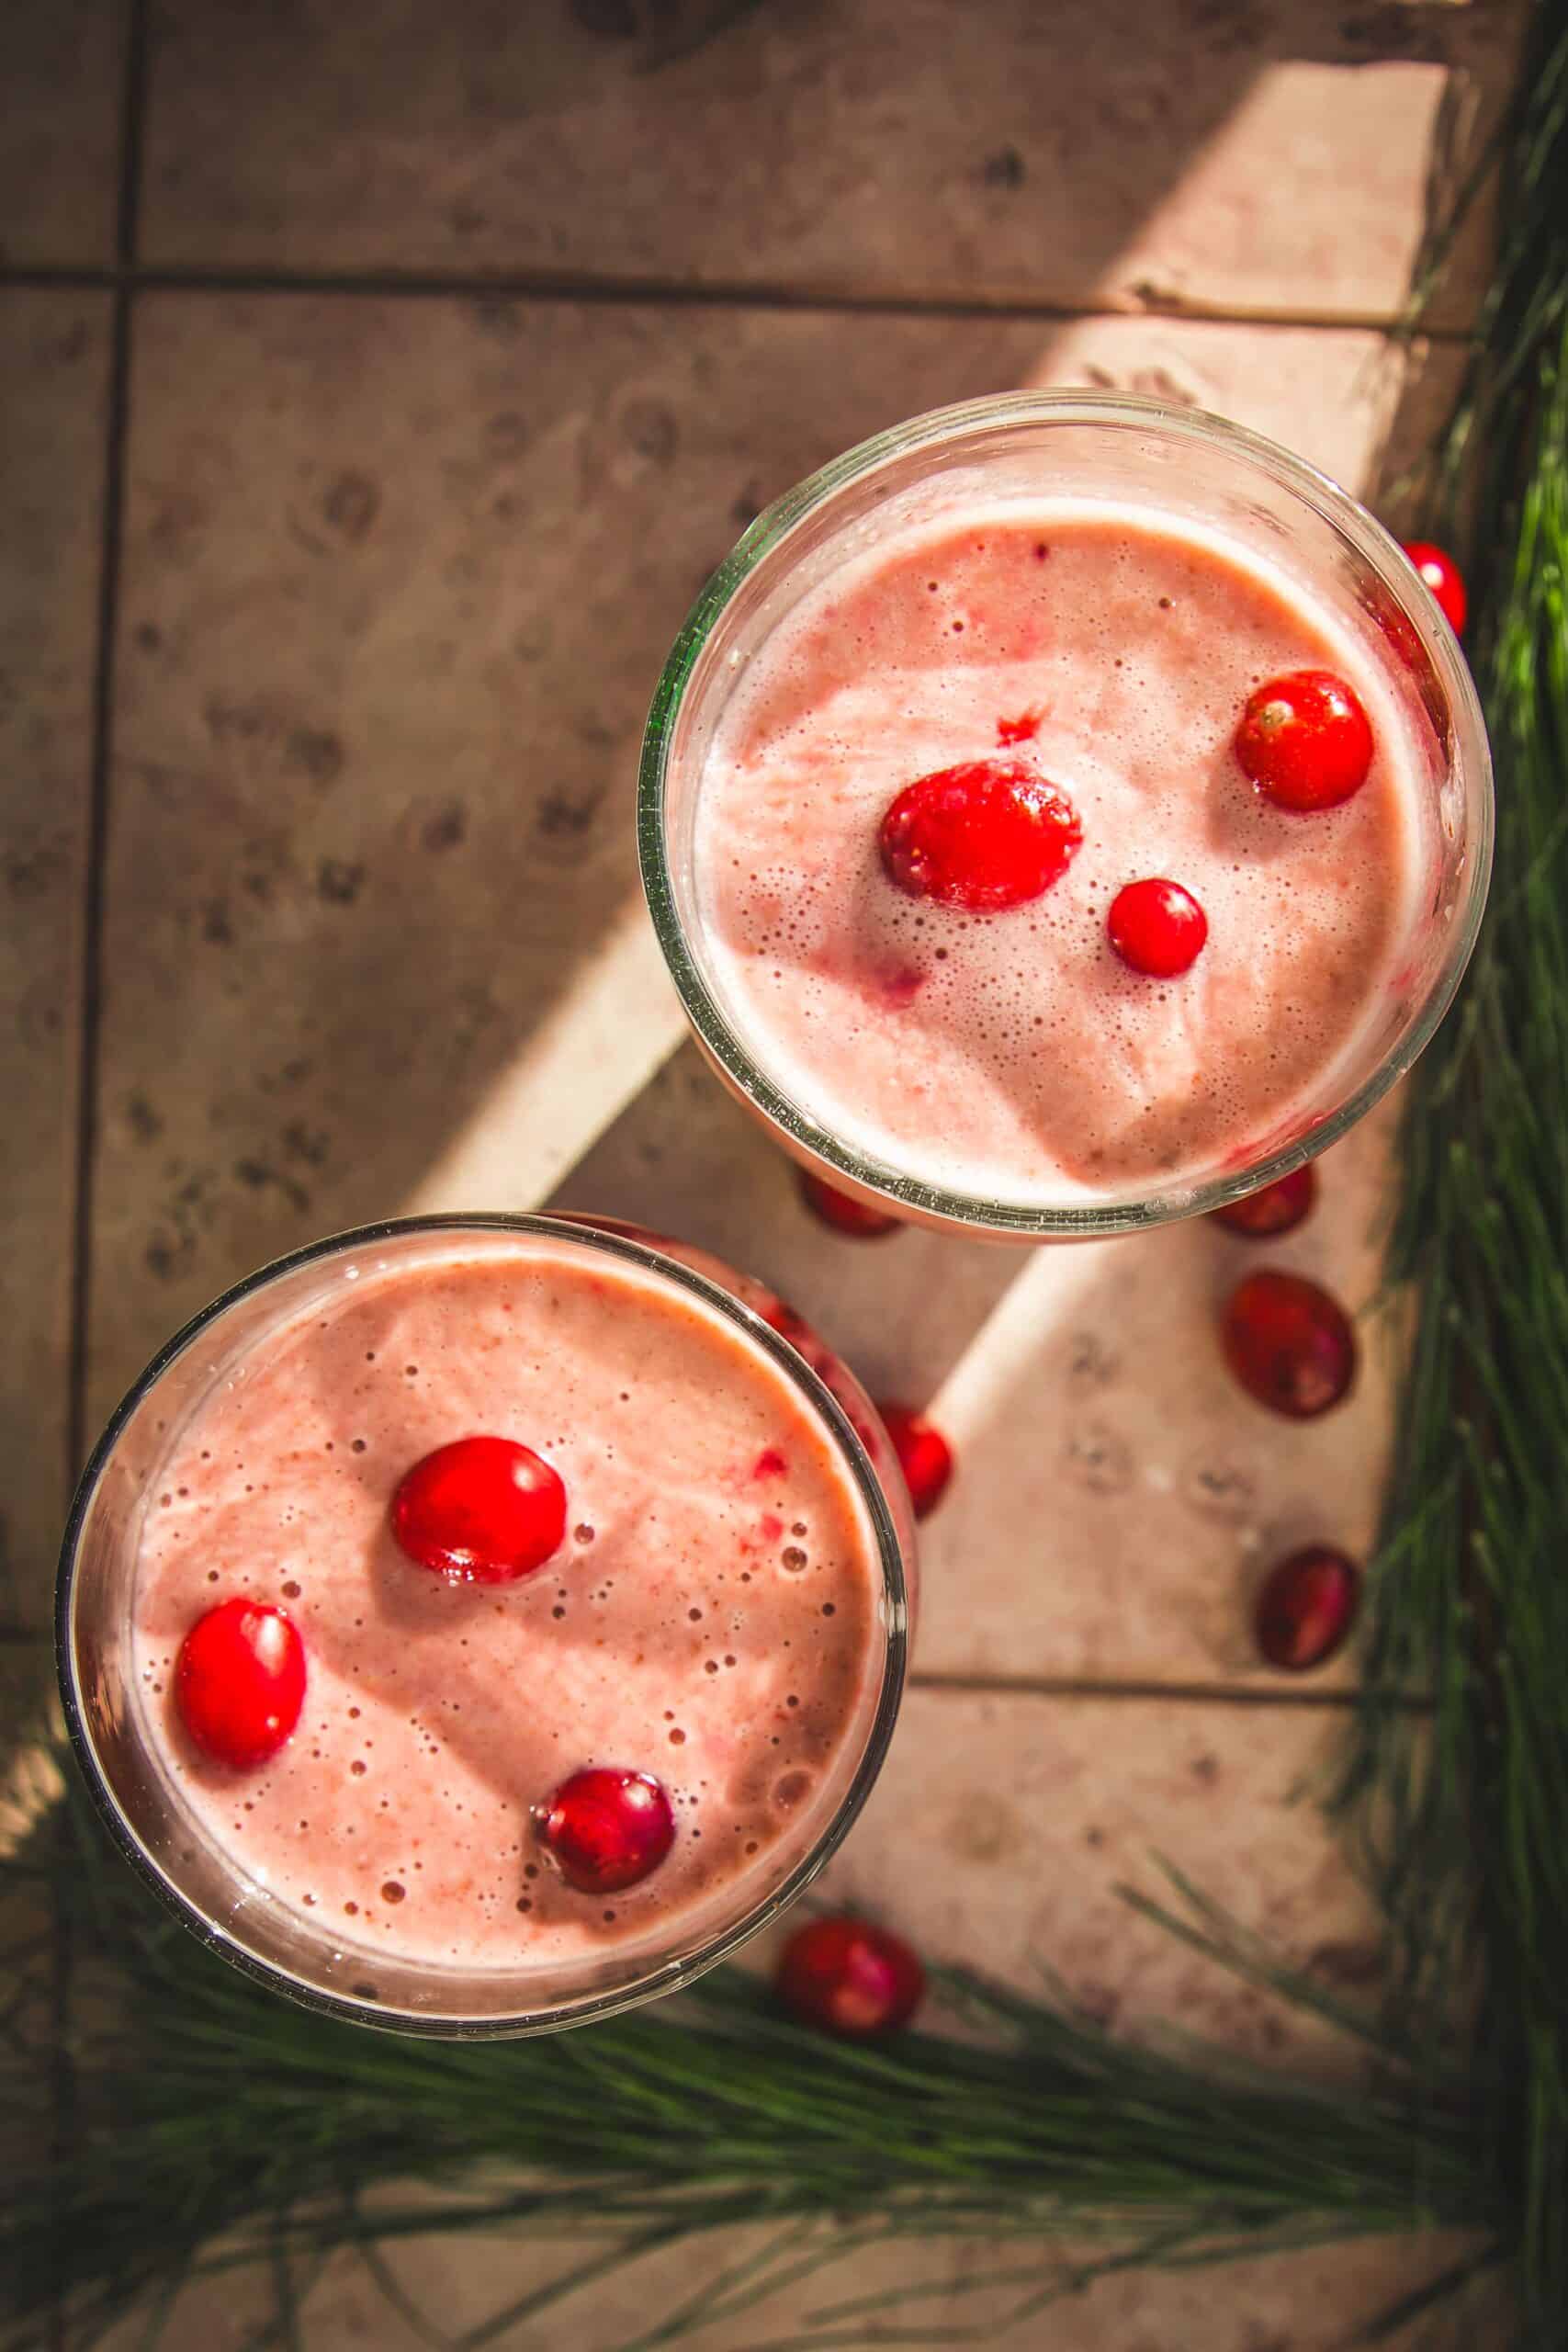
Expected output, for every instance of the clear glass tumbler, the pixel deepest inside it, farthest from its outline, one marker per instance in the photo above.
(207, 1882)
(1194, 468)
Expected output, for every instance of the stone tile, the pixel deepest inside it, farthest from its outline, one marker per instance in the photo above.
(1298, 2302)
(1363, 407)
(341, 2307)
(1003, 1825)
(1117, 1499)
(1257, 156)
(53, 365)
(1317, 2301)
(398, 578)
(462, 2281)
(1121, 1499)
(59, 131)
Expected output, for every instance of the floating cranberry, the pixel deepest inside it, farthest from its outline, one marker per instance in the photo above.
(1441, 575)
(240, 1682)
(1305, 741)
(1288, 1343)
(849, 1977)
(607, 1829)
(843, 1211)
(924, 1455)
(481, 1511)
(985, 835)
(1274, 1208)
(1306, 1608)
(1156, 927)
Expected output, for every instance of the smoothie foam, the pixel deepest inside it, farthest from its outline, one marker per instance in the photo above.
(711, 1617)
(1010, 1057)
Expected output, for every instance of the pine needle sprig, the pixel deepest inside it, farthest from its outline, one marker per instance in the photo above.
(258, 2132)
(1471, 1599)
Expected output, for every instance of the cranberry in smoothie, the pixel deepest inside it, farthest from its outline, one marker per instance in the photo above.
(1053, 853)
(587, 1601)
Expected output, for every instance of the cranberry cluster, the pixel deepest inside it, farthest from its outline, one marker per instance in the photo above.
(994, 833)
(482, 1510)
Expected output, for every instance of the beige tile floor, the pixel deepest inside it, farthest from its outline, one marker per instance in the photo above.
(390, 378)
(1263, 157)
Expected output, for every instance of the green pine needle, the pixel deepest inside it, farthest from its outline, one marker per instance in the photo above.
(1471, 1600)
(252, 2132)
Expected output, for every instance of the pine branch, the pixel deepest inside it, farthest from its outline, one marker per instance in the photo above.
(1471, 1598)
(258, 2132)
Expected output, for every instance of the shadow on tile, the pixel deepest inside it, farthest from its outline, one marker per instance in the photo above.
(1117, 1499)
(399, 580)
(1232, 154)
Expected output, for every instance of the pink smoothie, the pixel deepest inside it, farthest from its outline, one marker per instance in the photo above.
(712, 1617)
(1011, 1056)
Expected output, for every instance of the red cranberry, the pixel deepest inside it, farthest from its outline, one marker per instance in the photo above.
(1274, 1208)
(607, 1829)
(1305, 741)
(1156, 927)
(924, 1455)
(843, 1211)
(1306, 1608)
(1441, 575)
(784, 1319)
(1288, 1343)
(899, 984)
(985, 835)
(849, 1977)
(240, 1682)
(482, 1510)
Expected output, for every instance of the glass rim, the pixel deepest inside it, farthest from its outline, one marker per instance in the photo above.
(667, 1977)
(716, 1034)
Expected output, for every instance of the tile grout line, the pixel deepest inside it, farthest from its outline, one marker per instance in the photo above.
(1224, 1694)
(546, 285)
(957, 1683)
(122, 284)
(102, 726)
